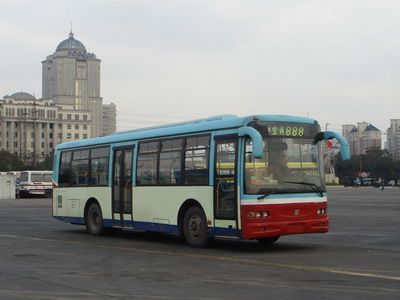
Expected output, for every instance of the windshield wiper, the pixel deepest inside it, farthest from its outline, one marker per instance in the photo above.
(270, 192)
(313, 186)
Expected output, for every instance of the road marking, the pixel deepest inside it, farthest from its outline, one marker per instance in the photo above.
(216, 258)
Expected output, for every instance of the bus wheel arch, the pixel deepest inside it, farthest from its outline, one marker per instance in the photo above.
(192, 223)
(183, 209)
(93, 217)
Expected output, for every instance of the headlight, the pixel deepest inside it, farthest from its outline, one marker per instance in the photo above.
(257, 214)
(251, 214)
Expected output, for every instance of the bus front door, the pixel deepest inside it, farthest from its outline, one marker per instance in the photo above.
(225, 186)
(122, 187)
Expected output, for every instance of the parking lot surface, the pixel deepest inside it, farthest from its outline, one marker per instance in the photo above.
(41, 258)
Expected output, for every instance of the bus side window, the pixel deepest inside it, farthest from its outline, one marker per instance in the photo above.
(170, 162)
(197, 160)
(161, 162)
(147, 163)
(80, 167)
(99, 166)
(79, 171)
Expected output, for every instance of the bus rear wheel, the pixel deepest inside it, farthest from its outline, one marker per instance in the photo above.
(195, 227)
(268, 240)
(94, 220)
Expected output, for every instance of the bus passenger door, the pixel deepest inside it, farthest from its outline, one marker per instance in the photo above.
(225, 186)
(122, 187)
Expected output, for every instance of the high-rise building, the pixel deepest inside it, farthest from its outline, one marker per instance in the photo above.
(362, 137)
(71, 107)
(109, 118)
(393, 138)
(71, 78)
(350, 133)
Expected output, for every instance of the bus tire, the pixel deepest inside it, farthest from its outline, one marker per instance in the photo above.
(94, 220)
(195, 227)
(268, 240)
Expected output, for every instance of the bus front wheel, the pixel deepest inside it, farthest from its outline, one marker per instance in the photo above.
(94, 220)
(195, 227)
(268, 240)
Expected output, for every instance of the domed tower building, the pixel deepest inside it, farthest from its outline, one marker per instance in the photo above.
(71, 78)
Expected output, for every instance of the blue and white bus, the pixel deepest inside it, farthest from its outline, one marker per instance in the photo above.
(256, 177)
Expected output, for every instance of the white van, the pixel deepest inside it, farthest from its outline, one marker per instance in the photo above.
(36, 183)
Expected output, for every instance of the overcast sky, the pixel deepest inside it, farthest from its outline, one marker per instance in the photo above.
(167, 61)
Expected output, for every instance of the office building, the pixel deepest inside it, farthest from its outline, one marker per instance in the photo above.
(393, 138)
(31, 128)
(71, 107)
(362, 137)
(109, 118)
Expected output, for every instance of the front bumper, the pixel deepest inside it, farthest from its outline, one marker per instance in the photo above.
(284, 219)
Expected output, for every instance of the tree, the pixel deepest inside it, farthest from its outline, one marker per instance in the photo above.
(47, 164)
(378, 163)
(347, 168)
(10, 162)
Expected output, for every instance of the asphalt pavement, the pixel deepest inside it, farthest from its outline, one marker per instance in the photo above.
(41, 258)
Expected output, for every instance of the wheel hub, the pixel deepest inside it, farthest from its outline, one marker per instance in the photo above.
(195, 226)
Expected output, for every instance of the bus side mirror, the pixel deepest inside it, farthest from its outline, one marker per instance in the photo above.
(256, 138)
(328, 135)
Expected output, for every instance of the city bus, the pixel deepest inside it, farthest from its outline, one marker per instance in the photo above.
(252, 178)
(35, 183)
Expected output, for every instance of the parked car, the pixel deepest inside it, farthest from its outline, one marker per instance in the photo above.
(393, 182)
(357, 182)
(347, 181)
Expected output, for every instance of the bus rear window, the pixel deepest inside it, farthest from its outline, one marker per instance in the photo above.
(47, 177)
(65, 169)
(37, 177)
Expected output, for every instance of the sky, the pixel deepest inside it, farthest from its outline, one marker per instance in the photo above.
(171, 61)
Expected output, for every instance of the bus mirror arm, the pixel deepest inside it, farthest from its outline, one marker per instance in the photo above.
(256, 138)
(328, 135)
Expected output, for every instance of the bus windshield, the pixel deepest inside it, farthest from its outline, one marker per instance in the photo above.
(290, 164)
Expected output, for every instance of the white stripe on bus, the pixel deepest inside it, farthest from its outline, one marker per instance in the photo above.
(267, 200)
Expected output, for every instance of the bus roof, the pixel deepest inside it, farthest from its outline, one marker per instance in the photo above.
(38, 172)
(196, 126)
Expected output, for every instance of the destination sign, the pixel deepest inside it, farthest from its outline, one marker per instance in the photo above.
(287, 131)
